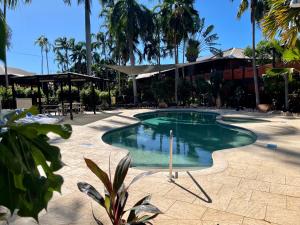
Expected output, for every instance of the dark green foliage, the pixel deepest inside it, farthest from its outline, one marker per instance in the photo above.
(116, 195)
(22, 149)
(192, 51)
(74, 92)
(163, 90)
(264, 52)
(88, 98)
(184, 91)
(3, 37)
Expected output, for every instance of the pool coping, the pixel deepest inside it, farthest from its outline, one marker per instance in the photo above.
(219, 161)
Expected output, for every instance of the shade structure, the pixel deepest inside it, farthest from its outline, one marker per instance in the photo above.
(141, 69)
(61, 78)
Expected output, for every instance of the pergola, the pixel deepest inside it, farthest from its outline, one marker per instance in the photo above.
(62, 79)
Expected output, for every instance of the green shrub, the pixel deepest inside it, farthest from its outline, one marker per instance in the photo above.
(7, 99)
(104, 96)
(88, 98)
(74, 93)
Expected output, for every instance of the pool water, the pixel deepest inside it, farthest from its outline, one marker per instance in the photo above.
(196, 136)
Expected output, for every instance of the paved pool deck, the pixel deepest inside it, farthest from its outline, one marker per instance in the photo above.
(250, 185)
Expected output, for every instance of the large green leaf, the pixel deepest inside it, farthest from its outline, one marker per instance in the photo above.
(23, 148)
(121, 172)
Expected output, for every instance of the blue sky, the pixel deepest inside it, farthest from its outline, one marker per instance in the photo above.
(54, 19)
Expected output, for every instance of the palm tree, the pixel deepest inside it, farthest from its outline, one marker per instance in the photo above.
(282, 20)
(3, 37)
(44, 44)
(130, 22)
(178, 21)
(258, 8)
(8, 4)
(87, 10)
(78, 57)
(62, 47)
(204, 39)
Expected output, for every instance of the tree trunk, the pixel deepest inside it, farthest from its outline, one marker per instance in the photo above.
(254, 56)
(132, 63)
(5, 61)
(176, 73)
(286, 91)
(47, 61)
(183, 51)
(88, 37)
(119, 77)
(42, 64)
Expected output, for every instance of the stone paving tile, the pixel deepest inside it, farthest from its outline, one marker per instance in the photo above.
(254, 210)
(295, 181)
(178, 193)
(220, 217)
(250, 221)
(293, 203)
(255, 185)
(224, 179)
(274, 178)
(186, 211)
(282, 216)
(269, 198)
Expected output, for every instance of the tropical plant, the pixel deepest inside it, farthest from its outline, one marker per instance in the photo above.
(90, 98)
(74, 94)
(3, 37)
(62, 47)
(44, 44)
(287, 74)
(265, 51)
(178, 21)
(258, 8)
(8, 4)
(87, 10)
(130, 22)
(292, 54)
(78, 58)
(282, 20)
(28, 164)
(116, 195)
(204, 39)
(193, 50)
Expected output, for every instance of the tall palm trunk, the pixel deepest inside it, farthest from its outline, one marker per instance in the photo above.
(176, 72)
(88, 37)
(47, 60)
(132, 63)
(42, 63)
(254, 54)
(5, 61)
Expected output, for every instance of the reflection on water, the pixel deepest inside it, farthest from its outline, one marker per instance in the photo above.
(196, 136)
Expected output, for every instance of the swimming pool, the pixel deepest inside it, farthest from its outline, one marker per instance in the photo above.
(196, 136)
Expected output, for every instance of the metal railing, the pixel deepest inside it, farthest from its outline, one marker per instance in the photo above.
(171, 156)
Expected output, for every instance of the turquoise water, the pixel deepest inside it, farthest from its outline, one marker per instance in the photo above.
(196, 136)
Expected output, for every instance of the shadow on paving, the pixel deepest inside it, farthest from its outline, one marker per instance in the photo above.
(207, 199)
(72, 212)
(289, 156)
(84, 119)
